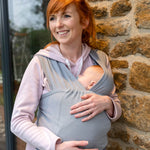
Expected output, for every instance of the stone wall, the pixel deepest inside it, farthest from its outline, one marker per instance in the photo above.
(123, 32)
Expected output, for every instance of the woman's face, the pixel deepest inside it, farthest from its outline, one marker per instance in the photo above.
(65, 26)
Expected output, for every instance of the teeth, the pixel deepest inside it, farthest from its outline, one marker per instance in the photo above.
(63, 32)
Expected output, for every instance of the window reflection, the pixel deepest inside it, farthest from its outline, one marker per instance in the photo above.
(2, 122)
(28, 32)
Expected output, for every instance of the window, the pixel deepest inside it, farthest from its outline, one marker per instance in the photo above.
(2, 122)
(28, 34)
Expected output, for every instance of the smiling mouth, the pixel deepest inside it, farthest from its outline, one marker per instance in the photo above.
(62, 32)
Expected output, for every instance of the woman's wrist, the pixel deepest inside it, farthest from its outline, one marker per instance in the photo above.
(109, 107)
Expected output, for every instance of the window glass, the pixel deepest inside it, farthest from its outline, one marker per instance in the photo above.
(28, 32)
(2, 126)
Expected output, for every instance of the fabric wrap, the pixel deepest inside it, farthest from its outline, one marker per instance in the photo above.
(54, 106)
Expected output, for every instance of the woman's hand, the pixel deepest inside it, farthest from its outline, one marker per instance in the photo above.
(92, 105)
(72, 145)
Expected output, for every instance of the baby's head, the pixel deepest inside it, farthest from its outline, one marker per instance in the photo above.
(90, 76)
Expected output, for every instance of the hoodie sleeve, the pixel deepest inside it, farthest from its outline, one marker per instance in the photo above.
(117, 107)
(25, 106)
(115, 100)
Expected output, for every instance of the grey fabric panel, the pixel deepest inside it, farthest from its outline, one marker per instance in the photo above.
(54, 107)
(58, 74)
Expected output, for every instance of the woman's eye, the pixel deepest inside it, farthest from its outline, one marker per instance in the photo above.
(52, 18)
(67, 16)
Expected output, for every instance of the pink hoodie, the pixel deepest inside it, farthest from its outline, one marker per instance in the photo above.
(33, 85)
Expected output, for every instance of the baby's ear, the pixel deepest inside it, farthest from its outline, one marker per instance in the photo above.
(92, 83)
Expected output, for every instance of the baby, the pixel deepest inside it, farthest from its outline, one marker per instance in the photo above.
(91, 76)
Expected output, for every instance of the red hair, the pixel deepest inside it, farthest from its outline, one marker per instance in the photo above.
(85, 12)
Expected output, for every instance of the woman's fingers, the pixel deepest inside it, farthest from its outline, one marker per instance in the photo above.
(86, 96)
(79, 143)
(73, 145)
(82, 103)
(88, 117)
(90, 149)
(82, 108)
(91, 106)
(86, 101)
(88, 113)
(84, 113)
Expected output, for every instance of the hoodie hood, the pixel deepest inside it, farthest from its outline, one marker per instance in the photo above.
(54, 53)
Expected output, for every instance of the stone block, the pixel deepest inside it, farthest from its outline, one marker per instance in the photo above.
(142, 14)
(120, 8)
(113, 146)
(136, 111)
(119, 64)
(113, 27)
(102, 45)
(142, 141)
(132, 46)
(120, 81)
(139, 77)
(99, 12)
(118, 130)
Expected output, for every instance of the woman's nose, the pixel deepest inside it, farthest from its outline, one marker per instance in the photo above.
(59, 23)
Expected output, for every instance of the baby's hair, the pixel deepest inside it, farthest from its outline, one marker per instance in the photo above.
(97, 67)
(98, 71)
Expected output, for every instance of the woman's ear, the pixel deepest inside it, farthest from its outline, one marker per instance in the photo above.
(85, 23)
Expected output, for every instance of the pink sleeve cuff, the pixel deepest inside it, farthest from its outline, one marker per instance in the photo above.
(117, 110)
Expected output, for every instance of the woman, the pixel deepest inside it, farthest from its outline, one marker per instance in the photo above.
(71, 23)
